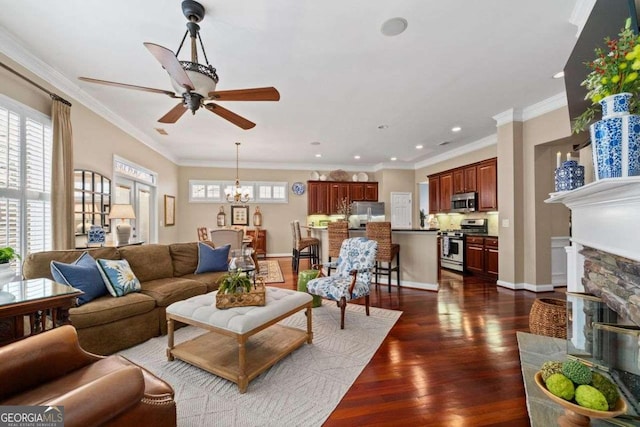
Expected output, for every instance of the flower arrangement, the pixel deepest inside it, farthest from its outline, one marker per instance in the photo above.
(613, 71)
(344, 208)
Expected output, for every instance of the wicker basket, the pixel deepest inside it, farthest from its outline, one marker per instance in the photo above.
(548, 317)
(256, 296)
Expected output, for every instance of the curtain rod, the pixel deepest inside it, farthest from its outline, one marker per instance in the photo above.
(51, 94)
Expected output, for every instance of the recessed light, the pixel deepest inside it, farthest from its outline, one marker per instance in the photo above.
(315, 143)
(383, 126)
(419, 147)
(456, 129)
(558, 75)
(393, 159)
(445, 142)
(394, 26)
(356, 157)
(318, 155)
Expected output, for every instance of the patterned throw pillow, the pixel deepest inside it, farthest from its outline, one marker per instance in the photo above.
(118, 276)
(82, 274)
(210, 259)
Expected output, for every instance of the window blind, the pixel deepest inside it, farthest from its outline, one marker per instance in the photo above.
(25, 178)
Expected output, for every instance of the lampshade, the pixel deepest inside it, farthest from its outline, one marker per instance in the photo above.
(122, 212)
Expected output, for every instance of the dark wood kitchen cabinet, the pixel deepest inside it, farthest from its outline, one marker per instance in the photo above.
(481, 256)
(318, 198)
(474, 254)
(446, 191)
(464, 180)
(434, 194)
(488, 185)
(323, 196)
(337, 192)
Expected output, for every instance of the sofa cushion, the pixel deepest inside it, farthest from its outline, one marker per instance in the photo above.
(108, 309)
(170, 290)
(212, 259)
(38, 264)
(209, 279)
(148, 262)
(82, 274)
(118, 276)
(185, 257)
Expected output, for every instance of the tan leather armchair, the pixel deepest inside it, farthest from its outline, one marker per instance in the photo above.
(51, 369)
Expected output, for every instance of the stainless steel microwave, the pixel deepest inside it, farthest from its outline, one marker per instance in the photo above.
(465, 202)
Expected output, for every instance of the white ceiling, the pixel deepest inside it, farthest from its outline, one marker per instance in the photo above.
(459, 63)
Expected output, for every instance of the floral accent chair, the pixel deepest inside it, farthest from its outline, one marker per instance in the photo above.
(352, 278)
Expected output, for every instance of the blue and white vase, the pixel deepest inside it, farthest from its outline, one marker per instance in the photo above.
(569, 176)
(616, 139)
(96, 235)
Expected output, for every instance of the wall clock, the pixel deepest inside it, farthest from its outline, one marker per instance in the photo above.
(298, 188)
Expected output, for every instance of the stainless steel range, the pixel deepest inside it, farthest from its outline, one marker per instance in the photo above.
(452, 246)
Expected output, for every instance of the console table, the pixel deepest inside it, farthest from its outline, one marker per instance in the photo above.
(35, 301)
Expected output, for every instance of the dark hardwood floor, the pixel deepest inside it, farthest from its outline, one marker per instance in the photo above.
(450, 360)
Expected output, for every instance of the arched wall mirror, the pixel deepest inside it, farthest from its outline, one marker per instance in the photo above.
(92, 200)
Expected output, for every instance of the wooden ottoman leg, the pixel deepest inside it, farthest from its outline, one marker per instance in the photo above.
(169, 338)
(309, 326)
(242, 364)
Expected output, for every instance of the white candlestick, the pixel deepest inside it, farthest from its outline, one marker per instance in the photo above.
(558, 156)
(568, 156)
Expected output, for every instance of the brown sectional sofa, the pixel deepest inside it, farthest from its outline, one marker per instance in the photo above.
(107, 324)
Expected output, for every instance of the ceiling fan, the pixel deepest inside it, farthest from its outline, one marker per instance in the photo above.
(195, 83)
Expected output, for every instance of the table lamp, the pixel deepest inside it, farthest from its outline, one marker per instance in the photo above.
(123, 229)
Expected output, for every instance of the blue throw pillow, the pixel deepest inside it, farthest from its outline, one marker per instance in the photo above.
(82, 274)
(118, 276)
(212, 259)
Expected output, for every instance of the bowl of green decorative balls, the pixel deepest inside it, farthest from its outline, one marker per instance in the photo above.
(583, 393)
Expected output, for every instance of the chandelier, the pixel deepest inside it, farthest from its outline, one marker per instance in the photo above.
(237, 196)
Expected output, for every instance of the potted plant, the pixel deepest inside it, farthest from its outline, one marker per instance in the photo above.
(234, 282)
(613, 85)
(8, 254)
(423, 216)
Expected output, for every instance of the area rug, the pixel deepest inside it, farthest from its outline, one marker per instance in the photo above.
(270, 271)
(300, 390)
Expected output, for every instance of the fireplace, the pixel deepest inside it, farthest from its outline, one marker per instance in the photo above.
(604, 261)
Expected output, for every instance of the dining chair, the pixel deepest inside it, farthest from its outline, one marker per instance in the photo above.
(338, 231)
(203, 234)
(303, 247)
(227, 236)
(352, 279)
(387, 250)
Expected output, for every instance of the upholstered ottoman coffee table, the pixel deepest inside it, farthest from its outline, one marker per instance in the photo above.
(243, 342)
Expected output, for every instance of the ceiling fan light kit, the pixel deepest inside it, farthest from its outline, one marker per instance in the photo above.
(194, 82)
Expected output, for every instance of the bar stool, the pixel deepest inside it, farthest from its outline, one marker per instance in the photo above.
(387, 251)
(338, 231)
(303, 247)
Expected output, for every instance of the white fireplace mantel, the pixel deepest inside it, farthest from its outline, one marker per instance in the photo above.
(605, 215)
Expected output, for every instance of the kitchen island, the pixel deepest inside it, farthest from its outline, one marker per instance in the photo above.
(418, 255)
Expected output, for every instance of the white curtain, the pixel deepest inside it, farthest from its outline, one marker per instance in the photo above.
(62, 176)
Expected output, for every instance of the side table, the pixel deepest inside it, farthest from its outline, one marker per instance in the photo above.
(36, 301)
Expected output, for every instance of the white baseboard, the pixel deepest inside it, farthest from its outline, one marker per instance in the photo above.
(525, 286)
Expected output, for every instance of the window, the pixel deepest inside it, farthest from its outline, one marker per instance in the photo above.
(25, 178)
(259, 192)
(135, 185)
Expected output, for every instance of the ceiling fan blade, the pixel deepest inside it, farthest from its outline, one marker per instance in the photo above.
(231, 116)
(127, 86)
(257, 94)
(170, 63)
(174, 114)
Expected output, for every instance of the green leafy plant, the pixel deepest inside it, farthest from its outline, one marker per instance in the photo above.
(234, 282)
(8, 254)
(613, 71)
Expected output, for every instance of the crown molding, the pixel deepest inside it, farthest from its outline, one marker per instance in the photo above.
(511, 115)
(270, 166)
(13, 49)
(468, 148)
(545, 106)
(580, 14)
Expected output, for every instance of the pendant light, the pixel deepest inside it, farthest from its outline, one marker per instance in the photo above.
(237, 197)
